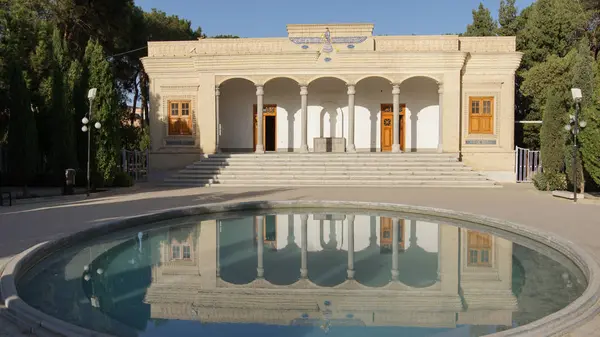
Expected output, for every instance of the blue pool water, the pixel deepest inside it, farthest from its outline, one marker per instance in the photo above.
(311, 274)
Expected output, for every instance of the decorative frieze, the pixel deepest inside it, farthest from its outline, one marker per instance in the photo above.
(416, 43)
(488, 44)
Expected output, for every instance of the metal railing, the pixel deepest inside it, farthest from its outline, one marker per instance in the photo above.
(527, 164)
(136, 163)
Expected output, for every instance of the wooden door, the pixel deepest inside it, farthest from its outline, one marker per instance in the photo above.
(268, 110)
(387, 127)
(180, 118)
(386, 227)
(479, 246)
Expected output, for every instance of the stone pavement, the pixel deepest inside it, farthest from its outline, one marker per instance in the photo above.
(23, 226)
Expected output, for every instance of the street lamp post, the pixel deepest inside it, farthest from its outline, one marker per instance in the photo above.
(574, 126)
(87, 119)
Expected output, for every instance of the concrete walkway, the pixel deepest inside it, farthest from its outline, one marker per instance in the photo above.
(22, 226)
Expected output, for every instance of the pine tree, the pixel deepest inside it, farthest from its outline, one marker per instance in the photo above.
(507, 18)
(483, 23)
(105, 111)
(589, 137)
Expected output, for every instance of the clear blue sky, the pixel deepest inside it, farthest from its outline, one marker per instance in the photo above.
(267, 18)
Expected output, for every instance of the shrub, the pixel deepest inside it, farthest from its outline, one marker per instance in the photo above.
(550, 181)
(122, 179)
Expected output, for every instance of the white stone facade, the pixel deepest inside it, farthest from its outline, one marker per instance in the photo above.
(334, 86)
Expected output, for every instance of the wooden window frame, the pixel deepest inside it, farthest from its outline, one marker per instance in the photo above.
(479, 249)
(189, 117)
(481, 100)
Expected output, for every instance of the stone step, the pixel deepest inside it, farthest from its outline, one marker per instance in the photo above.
(316, 180)
(370, 164)
(332, 155)
(395, 184)
(337, 169)
(329, 160)
(246, 177)
(390, 174)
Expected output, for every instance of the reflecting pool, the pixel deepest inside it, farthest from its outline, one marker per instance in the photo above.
(312, 274)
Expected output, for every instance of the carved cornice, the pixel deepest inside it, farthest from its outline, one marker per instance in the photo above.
(493, 63)
(302, 62)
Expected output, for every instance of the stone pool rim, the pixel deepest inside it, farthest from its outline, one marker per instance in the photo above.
(574, 315)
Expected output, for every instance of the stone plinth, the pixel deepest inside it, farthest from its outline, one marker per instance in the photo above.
(330, 144)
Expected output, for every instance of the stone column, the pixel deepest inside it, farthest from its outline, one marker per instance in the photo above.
(441, 116)
(395, 242)
(218, 248)
(218, 132)
(260, 271)
(304, 244)
(396, 107)
(351, 93)
(350, 247)
(259, 115)
(304, 118)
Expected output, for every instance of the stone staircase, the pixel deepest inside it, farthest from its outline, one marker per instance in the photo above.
(330, 169)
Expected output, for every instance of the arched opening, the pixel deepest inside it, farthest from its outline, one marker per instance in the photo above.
(237, 250)
(281, 125)
(327, 113)
(422, 113)
(236, 102)
(373, 95)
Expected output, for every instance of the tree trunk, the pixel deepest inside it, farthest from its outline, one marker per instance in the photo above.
(144, 86)
(135, 98)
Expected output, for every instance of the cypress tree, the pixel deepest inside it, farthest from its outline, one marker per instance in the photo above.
(105, 111)
(483, 23)
(589, 137)
(553, 140)
(22, 132)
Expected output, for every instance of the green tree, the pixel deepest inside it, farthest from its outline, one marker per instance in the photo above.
(22, 130)
(553, 27)
(104, 110)
(553, 136)
(63, 133)
(483, 23)
(584, 74)
(508, 18)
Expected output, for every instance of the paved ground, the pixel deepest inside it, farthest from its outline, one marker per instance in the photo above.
(22, 226)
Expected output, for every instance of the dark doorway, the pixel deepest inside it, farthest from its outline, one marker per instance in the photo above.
(270, 133)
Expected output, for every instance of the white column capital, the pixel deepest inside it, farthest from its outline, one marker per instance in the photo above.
(304, 217)
(351, 89)
(260, 90)
(440, 87)
(303, 90)
(217, 91)
(396, 89)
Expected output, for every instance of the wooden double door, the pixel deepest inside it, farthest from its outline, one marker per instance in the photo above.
(269, 134)
(387, 127)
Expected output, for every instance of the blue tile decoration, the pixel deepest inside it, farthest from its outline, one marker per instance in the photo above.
(327, 59)
(334, 40)
(305, 46)
(305, 315)
(349, 315)
(480, 142)
(327, 303)
(351, 46)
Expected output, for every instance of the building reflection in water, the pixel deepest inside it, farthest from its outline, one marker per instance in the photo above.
(328, 269)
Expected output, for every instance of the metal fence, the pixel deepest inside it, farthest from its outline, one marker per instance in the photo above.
(136, 164)
(527, 163)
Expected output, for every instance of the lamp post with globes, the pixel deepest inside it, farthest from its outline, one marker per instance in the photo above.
(575, 125)
(87, 119)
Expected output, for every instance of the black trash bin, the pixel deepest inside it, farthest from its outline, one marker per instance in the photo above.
(69, 187)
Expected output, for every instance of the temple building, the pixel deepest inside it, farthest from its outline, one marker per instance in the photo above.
(336, 269)
(335, 88)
